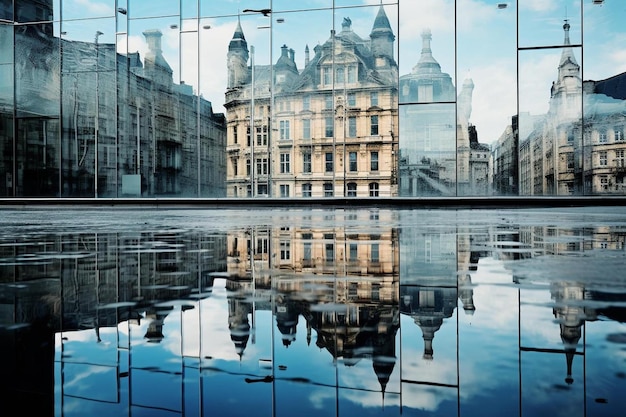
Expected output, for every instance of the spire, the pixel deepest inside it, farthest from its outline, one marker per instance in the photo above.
(306, 56)
(427, 63)
(239, 40)
(381, 23)
(568, 54)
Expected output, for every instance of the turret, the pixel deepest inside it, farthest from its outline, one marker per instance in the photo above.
(237, 58)
(382, 38)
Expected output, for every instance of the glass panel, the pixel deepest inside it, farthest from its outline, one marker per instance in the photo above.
(189, 9)
(290, 5)
(246, 80)
(550, 131)
(427, 150)
(36, 107)
(153, 8)
(427, 52)
(155, 118)
(233, 8)
(486, 101)
(604, 167)
(80, 9)
(371, 31)
(539, 22)
(7, 161)
(89, 108)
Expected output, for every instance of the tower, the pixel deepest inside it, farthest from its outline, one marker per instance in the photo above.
(382, 40)
(237, 58)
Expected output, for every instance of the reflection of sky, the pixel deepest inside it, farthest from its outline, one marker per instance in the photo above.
(485, 343)
(486, 42)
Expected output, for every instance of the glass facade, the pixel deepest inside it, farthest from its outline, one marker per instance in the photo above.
(311, 99)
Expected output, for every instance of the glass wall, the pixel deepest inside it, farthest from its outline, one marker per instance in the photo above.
(314, 99)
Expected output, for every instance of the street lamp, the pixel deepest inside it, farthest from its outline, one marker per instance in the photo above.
(97, 115)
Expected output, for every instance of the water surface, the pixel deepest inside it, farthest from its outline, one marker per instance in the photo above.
(325, 312)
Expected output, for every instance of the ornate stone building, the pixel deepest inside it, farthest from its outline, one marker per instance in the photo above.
(578, 147)
(328, 129)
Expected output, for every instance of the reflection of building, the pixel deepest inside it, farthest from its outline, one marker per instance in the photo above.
(440, 153)
(334, 123)
(69, 108)
(505, 156)
(566, 153)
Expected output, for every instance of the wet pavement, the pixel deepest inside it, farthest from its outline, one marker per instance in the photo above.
(313, 311)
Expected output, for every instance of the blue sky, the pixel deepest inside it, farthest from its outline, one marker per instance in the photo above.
(485, 49)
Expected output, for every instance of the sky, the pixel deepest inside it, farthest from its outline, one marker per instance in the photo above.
(486, 44)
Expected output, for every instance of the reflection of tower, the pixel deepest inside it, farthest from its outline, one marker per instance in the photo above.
(154, 333)
(428, 306)
(286, 320)
(466, 293)
(237, 58)
(238, 323)
(570, 316)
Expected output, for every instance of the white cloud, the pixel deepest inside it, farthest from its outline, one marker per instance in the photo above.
(92, 7)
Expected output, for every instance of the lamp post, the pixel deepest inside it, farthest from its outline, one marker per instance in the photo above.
(97, 116)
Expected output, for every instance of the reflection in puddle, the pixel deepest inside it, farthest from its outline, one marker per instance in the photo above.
(342, 312)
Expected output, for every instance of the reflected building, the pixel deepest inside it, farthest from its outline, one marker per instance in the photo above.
(578, 146)
(328, 129)
(343, 285)
(79, 119)
(439, 151)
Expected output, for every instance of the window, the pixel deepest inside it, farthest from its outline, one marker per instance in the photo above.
(602, 157)
(235, 167)
(619, 158)
(284, 190)
(351, 99)
(351, 189)
(248, 167)
(235, 134)
(352, 74)
(326, 76)
(604, 183)
(285, 250)
(340, 75)
(373, 189)
(306, 252)
(375, 253)
(602, 136)
(328, 189)
(352, 126)
(261, 166)
(374, 161)
(284, 130)
(373, 125)
(306, 162)
(306, 102)
(329, 128)
(248, 135)
(329, 162)
(306, 190)
(352, 164)
(374, 98)
(618, 132)
(353, 254)
(261, 135)
(570, 160)
(285, 167)
(306, 128)
(328, 102)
